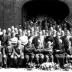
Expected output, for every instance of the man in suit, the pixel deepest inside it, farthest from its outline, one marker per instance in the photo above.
(1, 33)
(59, 50)
(1, 55)
(24, 39)
(9, 33)
(4, 38)
(20, 54)
(10, 54)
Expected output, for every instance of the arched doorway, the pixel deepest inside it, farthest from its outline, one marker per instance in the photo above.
(53, 8)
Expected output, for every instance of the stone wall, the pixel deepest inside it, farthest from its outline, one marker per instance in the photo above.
(10, 12)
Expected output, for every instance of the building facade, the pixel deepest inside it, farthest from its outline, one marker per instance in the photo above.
(11, 11)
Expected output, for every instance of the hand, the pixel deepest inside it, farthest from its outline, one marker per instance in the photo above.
(18, 56)
(4, 56)
(12, 56)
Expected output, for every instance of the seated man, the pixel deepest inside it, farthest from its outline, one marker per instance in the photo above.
(1, 33)
(21, 49)
(27, 58)
(24, 39)
(4, 38)
(10, 54)
(38, 41)
(12, 28)
(19, 33)
(13, 39)
(49, 47)
(49, 40)
(41, 40)
(59, 50)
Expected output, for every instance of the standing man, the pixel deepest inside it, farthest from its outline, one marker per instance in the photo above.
(1, 55)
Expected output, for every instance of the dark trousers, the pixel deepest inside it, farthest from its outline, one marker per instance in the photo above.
(60, 59)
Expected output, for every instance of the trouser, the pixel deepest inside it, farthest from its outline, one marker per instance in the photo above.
(46, 58)
(1, 61)
(4, 62)
(41, 58)
(37, 58)
(50, 56)
(8, 61)
(20, 62)
(60, 59)
(32, 58)
(1, 64)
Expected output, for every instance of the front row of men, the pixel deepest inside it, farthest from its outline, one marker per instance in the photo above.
(19, 48)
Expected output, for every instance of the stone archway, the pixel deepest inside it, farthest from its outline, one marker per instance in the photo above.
(54, 8)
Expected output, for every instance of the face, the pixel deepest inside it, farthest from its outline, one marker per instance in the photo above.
(20, 31)
(9, 30)
(40, 33)
(23, 32)
(54, 33)
(16, 30)
(67, 33)
(60, 29)
(9, 42)
(28, 33)
(4, 31)
(65, 29)
(62, 34)
(49, 44)
(12, 27)
(43, 32)
(57, 34)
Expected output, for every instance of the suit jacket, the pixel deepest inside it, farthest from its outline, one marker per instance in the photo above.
(65, 43)
(0, 37)
(48, 38)
(1, 53)
(35, 42)
(4, 40)
(58, 45)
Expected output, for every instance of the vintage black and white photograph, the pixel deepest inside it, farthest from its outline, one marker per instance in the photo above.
(35, 35)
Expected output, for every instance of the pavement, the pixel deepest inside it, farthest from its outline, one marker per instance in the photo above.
(29, 70)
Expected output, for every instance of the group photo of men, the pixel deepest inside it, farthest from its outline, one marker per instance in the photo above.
(40, 43)
(35, 35)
